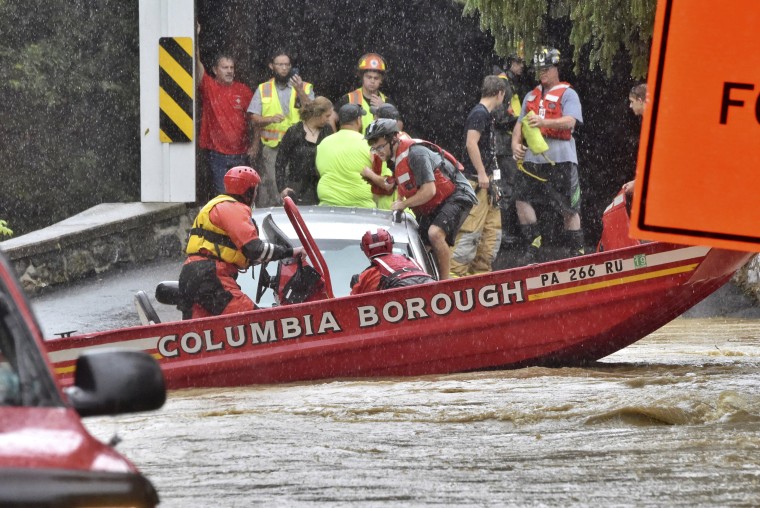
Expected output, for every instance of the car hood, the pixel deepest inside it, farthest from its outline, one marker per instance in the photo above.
(53, 438)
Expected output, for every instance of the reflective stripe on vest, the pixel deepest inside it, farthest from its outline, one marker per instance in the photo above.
(549, 107)
(395, 267)
(205, 236)
(357, 97)
(272, 134)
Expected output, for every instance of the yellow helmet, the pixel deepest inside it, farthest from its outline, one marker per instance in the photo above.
(371, 62)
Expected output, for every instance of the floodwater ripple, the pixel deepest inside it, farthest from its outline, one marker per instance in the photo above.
(673, 420)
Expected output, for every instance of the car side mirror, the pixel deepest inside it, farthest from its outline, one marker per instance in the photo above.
(115, 382)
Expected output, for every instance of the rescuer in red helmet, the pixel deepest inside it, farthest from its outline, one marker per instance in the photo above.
(387, 270)
(371, 70)
(224, 240)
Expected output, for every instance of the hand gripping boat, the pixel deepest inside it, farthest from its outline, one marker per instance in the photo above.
(567, 312)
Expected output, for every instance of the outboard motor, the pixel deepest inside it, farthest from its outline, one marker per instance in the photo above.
(167, 292)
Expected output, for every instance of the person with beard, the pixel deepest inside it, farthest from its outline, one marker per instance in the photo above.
(273, 110)
(224, 126)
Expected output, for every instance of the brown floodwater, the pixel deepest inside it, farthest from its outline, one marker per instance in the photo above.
(673, 420)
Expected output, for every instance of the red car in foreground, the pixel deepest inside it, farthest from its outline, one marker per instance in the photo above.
(47, 457)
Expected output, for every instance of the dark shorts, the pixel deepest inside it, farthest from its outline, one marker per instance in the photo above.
(560, 190)
(449, 217)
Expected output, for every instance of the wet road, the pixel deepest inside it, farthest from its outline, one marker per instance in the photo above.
(105, 301)
(673, 420)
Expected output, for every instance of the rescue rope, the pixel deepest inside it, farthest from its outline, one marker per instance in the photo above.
(522, 168)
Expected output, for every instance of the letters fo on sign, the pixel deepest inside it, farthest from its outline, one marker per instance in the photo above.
(698, 169)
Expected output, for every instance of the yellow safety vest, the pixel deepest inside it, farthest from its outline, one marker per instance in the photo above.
(270, 106)
(205, 235)
(357, 97)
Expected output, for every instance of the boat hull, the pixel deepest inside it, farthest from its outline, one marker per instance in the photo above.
(568, 312)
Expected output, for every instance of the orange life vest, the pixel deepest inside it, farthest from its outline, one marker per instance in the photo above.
(549, 107)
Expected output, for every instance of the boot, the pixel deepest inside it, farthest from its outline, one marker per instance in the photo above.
(531, 234)
(574, 243)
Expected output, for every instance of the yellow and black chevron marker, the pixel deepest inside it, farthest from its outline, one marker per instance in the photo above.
(175, 62)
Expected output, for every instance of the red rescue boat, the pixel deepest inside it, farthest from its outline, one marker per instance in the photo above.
(567, 312)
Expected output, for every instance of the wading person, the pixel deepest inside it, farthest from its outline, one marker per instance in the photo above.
(224, 240)
(550, 178)
(430, 182)
(273, 110)
(387, 270)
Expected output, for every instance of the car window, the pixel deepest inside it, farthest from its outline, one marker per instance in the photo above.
(344, 259)
(24, 376)
(10, 391)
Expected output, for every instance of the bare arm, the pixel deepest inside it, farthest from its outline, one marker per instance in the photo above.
(199, 69)
(297, 83)
(424, 194)
(261, 121)
(473, 136)
(517, 142)
(562, 123)
(377, 180)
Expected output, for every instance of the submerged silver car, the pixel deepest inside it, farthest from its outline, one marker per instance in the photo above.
(338, 232)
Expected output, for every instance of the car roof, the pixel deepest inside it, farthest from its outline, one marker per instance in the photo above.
(340, 223)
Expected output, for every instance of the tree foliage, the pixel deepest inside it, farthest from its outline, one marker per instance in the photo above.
(69, 96)
(601, 29)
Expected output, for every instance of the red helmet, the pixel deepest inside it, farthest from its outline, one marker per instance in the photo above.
(375, 244)
(240, 179)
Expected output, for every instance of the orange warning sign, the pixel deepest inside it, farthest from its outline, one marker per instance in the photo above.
(698, 172)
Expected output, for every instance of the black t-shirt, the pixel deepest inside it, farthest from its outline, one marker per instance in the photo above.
(479, 120)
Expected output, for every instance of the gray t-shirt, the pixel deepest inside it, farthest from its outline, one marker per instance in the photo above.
(423, 161)
(283, 93)
(560, 150)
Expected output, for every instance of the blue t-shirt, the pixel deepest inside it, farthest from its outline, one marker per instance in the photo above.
(560, 150)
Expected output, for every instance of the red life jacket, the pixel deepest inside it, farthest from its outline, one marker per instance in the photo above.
(407, 186)
(549, 107)
(377, 168)
(394, 268)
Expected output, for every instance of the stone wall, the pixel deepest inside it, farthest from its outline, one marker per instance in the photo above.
(748, 279)
(117, 234)
(98, 240)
